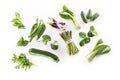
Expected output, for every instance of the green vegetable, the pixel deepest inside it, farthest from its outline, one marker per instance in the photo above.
(34, 51)
(67, 36)
(82, 43)
(37, 29)
(89, 14)
(95, 16)
(17, 21)
(46, 38)
(68, 14)
(54, 45)
(82, 34)
(83, 17)
(86, 40)
(99, 49)
(22, 61)
(22, 42)
(92, 32)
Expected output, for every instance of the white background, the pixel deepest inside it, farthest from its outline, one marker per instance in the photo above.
(105, 67)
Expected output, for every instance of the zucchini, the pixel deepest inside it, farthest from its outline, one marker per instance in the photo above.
(34, 51)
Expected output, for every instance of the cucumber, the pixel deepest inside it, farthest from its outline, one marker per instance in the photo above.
(95, 16)
(83, 17)
(34, 51)
(89, 14)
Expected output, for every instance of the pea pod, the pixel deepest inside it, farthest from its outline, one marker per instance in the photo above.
(34, 51)
(83, 17)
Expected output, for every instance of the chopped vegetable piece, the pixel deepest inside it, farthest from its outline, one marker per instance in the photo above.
(68, 14)
(34, 51)
(99, 49)
(83, 17)
(55, 24)
(22, 61)
(54, 45)
(89, 14)
(22, 42)
(37, 29)
(95, 16)
(46, 38)
(67, 36)
(17, 21)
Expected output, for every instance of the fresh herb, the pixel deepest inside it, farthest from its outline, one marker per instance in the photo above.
(83, 17)
(46, 38)
(67, 36)
(22, 61)
(37, 29)
(22, 42)
(34, 51)
(56, 24)
(99, 49)
(54, 45)
(68, 14)
(92, 32)
(17, 21)
(89, 16)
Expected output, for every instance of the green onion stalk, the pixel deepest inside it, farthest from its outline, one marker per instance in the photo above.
(67, 37)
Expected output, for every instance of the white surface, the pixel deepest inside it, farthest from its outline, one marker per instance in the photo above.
(106, 67)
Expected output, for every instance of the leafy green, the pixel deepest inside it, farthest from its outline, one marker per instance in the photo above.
(86, 40)
(68, 14)
(22, 42)
(82, 43)
(37, 29)
(46, 38)
(92, 32)
(22, 61)
(17, 21)
(54, 45)
(82, 34)
(99, 49)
